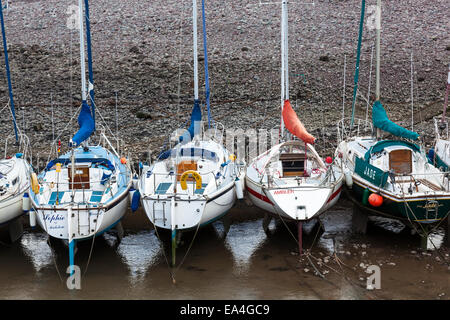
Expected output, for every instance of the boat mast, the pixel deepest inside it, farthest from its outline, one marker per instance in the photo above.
(286, 51)
(205, 52)
(82, 58)
(8, 74)
(378, 41)
(89, 52)
(194, 23)
(446, 94)
(284, 61)
(358, 57)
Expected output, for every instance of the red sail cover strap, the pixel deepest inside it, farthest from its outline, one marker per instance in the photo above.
(293, 124)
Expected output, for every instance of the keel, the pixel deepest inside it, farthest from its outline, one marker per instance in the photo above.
(424, 238)
(174, 246)
(266, 222)
(72, 246)
(359, 220)
(447, 233)
(300, 237)
(119, 233)
(15, 230)
(226, 225)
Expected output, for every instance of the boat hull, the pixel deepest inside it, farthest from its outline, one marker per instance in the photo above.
(189, 213)
(421, 209)
(11, 209)
(299, 204)
(85, 223)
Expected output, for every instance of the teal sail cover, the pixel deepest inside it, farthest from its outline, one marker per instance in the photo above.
(381, 121)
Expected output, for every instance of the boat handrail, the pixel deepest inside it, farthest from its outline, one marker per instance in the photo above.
(360, 127)
(441, 127)
(23, 147)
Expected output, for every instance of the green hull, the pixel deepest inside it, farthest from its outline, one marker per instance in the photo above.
(426, 211)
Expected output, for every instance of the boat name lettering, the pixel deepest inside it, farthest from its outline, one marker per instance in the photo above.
(370, 173)
(284, 191)
(53, 217)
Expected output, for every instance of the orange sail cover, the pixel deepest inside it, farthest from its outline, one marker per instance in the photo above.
(293, 124)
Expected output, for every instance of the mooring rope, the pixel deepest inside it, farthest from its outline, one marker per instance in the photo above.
(164, 251)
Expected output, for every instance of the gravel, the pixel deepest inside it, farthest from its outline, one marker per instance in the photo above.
(143, 51)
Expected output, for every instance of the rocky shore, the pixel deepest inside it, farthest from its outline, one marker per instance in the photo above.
(143, 52)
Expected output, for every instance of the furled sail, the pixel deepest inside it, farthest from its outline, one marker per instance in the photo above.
(381, 121)
(293, 124)
(86, 123)
(196, 117)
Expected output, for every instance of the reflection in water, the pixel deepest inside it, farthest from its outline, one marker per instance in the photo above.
(36, 248)
(327, 243)
(337, 225)
(436, 239)
(394, 226)
(139, 252)
(243, 240)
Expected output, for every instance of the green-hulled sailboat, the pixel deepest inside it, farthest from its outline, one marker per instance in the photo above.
(392, 178)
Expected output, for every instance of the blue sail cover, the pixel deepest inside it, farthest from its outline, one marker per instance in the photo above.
(86, 124)
(381, 121)
(196, 117)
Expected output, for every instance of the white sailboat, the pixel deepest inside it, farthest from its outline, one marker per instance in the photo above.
(84, 192)
(14, 170)
(291, 181)
(197, 181)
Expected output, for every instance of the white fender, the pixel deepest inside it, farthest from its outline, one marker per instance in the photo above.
(130, 195)
(348, 179)
(26, 203)
(32, 215)
(239, 189)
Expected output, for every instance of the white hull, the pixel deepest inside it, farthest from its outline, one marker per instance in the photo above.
(14, 182)
(189, 214)
(85, 223)
(299, 204)
(300, 195)
(68, 212)
(11, 209)
(173, 206)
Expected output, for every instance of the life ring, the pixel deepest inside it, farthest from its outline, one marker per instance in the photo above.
(195, 175)
(34, 183)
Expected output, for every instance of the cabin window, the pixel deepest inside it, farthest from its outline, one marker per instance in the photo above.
(293, 164)
(15, 181)
(400, 161)
(81, 179)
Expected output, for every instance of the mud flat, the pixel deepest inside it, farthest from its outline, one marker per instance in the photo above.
(247, 264)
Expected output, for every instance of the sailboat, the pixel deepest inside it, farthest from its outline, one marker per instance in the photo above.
(84, 192)
(393, 177)
(196, 181)
(440, 154)
(14, 170)
(291, 181)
